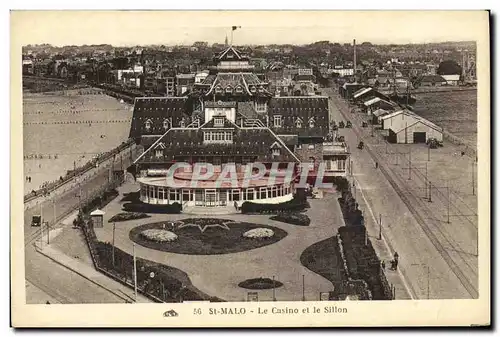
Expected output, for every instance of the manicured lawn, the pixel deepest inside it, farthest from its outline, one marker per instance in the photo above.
(322, 259)
(211, 237)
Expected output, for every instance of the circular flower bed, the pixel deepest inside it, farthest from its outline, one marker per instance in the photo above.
(259, 233)
(208, 236)
(159, 235)
(260, 283)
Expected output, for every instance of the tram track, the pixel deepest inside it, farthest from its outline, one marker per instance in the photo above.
(396, 183)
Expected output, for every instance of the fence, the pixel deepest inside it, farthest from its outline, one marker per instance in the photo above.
(77, 172)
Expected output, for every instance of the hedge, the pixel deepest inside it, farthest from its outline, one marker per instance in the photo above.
(298, 219)
(140, 207)
(298, 203)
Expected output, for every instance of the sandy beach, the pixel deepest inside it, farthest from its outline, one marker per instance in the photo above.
(64, 130)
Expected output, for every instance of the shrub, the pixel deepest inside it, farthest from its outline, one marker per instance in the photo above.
(128, 216)
(298, 219)
(259, 233)
(260, 283)
(296, 204)
(141, 207)
(159, 235)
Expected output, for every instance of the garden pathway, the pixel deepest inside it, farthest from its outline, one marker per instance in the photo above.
(219, 275)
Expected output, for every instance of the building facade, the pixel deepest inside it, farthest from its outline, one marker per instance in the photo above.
(231, 121)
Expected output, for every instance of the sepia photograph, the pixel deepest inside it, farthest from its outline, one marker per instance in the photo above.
(228, 168)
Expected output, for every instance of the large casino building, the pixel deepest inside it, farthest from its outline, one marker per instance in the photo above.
(230, 118)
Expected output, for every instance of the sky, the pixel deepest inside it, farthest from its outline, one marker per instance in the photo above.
(129, 28)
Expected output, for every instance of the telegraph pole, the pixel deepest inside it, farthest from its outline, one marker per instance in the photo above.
(428, 285)
(430, 195)
(448, 195)
(303, 288)
(428, 153)
(113, 251)
(473, 186)
(380, 227)
(274, 290)
(425, 184)
(135, 272)
(409, 165)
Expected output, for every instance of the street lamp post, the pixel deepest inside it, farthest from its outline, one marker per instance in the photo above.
(113, 249)
(135, 273)
(303, 288)
(473, 186)
(274, 290)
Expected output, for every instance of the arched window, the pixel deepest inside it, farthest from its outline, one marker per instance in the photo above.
(183, 123)
(148, 125)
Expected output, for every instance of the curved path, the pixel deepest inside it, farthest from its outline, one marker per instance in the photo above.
(219, 275)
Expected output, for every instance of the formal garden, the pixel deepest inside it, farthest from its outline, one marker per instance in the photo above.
(205, 236)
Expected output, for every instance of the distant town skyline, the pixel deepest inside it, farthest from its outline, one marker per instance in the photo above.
(139, 28)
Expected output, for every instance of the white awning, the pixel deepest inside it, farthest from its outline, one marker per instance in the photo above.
(372, 101)
(97, 212)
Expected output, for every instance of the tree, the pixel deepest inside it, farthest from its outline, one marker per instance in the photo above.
(449, 67)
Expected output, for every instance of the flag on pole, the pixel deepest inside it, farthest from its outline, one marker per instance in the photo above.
(236, 27)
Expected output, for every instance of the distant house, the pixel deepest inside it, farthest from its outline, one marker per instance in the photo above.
(432, 81)
(451, 79)
(406, 127)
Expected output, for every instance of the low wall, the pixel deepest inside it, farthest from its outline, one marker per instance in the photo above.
(78, 176)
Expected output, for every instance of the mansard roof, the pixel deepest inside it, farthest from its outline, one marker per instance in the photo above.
(158, 110)
(306, 108)
(182, 142)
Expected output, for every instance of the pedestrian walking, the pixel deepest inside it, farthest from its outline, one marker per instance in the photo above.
(383, 265)
(235, 205)
(396, 256)
(376, 165)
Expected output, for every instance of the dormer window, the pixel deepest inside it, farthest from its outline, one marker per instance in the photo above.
(182, 123)
(252, 89)
(298, 123)
(218, 121)
(158, 153)
(148, 124)
(260, 106)
(218, 90)
(229, 90)
(276, 152)
(239, 90)
(312, 123)
(277, 121)
(166, 124)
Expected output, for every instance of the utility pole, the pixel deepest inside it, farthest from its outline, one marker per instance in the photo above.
(303, 288)
(428, 285)
(380, 227)
(428, 153)
(409, 165)
(113, 251)
(473, 186)
(274, 290)
(448, 196)
(425, 183)
(135, 272)
(430, 194)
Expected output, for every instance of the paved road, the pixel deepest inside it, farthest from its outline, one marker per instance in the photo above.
(401, 229)
(53, 279)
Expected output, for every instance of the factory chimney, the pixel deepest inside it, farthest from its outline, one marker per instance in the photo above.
(354, 44)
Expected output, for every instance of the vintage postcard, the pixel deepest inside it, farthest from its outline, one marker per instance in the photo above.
(250, 169)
